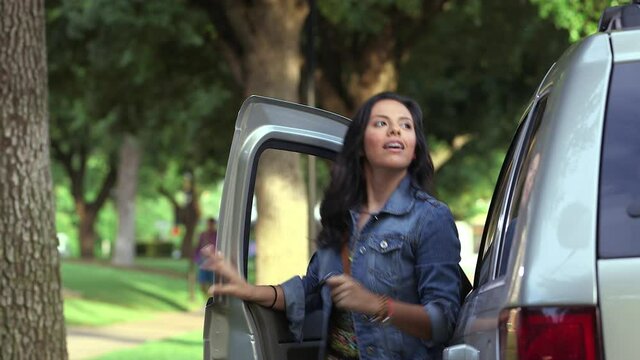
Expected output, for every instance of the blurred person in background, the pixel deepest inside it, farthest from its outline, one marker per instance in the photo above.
(208, 237)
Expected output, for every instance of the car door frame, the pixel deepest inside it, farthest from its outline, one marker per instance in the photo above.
(236, 329)
(477, 334)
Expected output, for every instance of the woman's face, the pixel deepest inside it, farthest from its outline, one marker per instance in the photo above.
(389, 138)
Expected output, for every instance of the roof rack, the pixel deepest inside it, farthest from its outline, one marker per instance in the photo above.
(620, 17)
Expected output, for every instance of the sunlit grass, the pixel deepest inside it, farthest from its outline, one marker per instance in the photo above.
(97, 294)
(179, 266)
(186, 346)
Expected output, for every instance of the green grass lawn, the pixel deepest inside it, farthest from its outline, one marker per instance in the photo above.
(98, 294)
(186, 346)
(178, 266)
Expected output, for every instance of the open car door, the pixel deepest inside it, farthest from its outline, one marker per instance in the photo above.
(234, 329)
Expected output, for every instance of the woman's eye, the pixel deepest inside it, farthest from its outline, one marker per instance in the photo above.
(379, 123)
(407, 126)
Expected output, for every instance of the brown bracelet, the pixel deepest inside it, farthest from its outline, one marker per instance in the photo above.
(275, 291)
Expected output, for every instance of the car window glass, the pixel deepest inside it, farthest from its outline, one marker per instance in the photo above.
(526, 171)
(619, 198)
(284, 258)
(486, 253)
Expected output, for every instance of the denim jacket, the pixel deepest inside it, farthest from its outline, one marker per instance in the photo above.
(410, 252)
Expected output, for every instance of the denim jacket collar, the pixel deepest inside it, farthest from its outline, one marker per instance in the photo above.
(401, 200)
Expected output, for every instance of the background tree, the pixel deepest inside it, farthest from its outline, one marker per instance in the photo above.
(261, 44)
(160, 48)
(370, 38)
(77, 132)
(31, 320)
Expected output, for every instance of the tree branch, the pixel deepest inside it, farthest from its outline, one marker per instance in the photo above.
(75, 175)
(229, 43)
(164, 192)
(442, 156)
(105, 189)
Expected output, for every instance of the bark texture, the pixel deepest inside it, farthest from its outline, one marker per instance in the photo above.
(31, 318)
(126, 187)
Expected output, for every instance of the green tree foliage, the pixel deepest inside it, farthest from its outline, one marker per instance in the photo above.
(135, 67)
(580, 18)
(473, 74)
(367, 16)
(370, 37)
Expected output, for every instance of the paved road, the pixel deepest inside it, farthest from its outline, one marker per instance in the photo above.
(88, 342)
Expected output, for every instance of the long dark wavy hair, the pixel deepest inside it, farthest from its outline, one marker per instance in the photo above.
(347, 188)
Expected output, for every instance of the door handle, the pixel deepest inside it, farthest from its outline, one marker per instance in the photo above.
(460, 352)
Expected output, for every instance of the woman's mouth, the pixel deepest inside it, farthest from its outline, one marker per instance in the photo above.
(394, 145)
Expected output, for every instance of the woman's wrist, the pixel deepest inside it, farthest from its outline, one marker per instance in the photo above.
(373, 306)
(384, 310)
(252, 293)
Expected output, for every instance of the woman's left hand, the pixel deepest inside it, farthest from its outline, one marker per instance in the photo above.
(349, 294)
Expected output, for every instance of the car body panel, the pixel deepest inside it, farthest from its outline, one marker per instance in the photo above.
(619, 288)
(625, 45)
(552, 258)
(480, 312)
(556, 245)
(619, 304)
(230, 329)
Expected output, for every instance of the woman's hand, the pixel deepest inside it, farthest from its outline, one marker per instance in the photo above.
(234, 284)
(349, 294)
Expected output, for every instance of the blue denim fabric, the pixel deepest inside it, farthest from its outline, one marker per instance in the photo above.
(410, 252)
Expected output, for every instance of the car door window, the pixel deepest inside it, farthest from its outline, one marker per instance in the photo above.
(526, 171)
(503, 212)
(491, 229)
(619, 207)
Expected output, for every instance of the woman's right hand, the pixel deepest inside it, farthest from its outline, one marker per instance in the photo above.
(233, 284)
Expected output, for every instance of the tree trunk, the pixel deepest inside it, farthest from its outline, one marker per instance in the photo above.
(191, 215)
(87, 232)
(261, 42)
(282, 229)
(31, 318)
(377, 69)
(125, 246)
(273, 64)
(87, 211)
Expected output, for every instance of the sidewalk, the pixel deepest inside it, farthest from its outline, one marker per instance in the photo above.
(85, 342)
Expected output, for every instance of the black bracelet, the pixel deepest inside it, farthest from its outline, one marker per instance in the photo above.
(275, 298)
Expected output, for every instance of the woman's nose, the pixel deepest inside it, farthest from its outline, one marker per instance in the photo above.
(394, 129)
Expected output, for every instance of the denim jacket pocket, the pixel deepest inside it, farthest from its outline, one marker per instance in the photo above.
(386, 243)
(384, 260)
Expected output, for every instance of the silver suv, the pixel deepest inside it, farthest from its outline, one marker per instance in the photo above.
(556, 276)
(558, 266)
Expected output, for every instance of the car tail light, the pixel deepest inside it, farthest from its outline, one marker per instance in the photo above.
(549, 333)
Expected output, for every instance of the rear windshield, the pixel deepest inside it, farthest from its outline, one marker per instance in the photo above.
(619, 207)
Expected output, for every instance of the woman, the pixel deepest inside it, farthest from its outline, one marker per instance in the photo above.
(386, 270)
